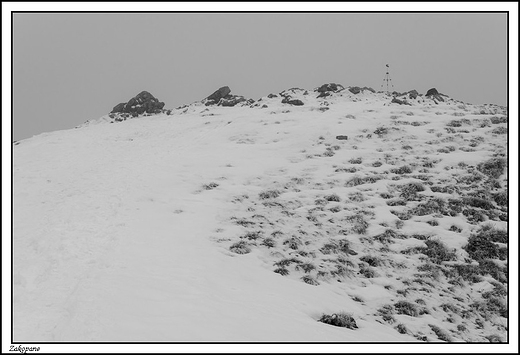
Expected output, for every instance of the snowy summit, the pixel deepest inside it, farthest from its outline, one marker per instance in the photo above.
(330, 214)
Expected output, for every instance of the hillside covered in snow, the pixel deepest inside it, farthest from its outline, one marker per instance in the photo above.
(334, 214)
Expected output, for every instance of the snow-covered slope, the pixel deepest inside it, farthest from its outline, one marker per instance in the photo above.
(250, 223)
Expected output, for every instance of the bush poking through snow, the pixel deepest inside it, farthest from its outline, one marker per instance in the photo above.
(494, 338)
(441, 334)
(269, 194)
(309, 280)
(479, 247)
(305, 267)
(405, 169)
(406, 308)
(210, 186)
(269, 242)
(493, 167)
(282, 271)
(240, 247)
(401, 328)
(332, 198)
(499, 130)
(371, 260)
(437, 252)
(342, 319)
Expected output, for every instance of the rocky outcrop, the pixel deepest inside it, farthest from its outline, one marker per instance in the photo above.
(287, 96)
(217, 95)
(223, 97)
(395, 100)
(143, 102)
(412, 94)
(290, 101)
(330, 87)
(354, 89)
(327, 89)
(432, 91)
(434, 95)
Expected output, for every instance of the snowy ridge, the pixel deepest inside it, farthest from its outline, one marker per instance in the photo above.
(249, 223)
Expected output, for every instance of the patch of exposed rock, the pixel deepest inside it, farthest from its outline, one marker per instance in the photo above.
(327, 89)
(223, 97)
(434, 95)
(143, 102)
(356, 89)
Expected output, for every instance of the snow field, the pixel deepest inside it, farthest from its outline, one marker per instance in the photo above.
(122, 232)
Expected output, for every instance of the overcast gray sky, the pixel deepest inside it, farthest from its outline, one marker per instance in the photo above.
(69, 68)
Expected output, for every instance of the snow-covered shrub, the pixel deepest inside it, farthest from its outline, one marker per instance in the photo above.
(252, 235)
(269, 242)
(305, 267)
(402, 170)
(341, 319)
(346, 170)
(441, 334)
(368, 272)
(496, 120)
(332, 198)
(501, 198)
(240, 247)
(401, 328)
(371, 260)
(407, 308)
(410, 190)
(282, 271)
(293, 242)
(381, 131)
(499, 130)
(493, 167)
(493, 338)
(478, 202)
(437, 252)
(309, 280)
(480, 247)
(359, 225)
(269, 194)
(386, 312)
(210, 186)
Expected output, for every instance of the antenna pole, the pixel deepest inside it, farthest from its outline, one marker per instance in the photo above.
(387, 80)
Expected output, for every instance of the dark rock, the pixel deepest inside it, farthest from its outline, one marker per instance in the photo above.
(432, 92)
(435, 95)
(330, 87)
(369, 89)
(143, 102)
(272, 96)
(344, 138)
(118, 108)
(395, 100)
(295, 102)
(355, 90)
(219, 94)
(323, 94)
(413, 94)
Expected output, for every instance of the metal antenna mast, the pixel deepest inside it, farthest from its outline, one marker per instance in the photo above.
(387, 79)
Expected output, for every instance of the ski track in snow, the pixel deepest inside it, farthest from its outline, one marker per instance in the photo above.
(114, 231)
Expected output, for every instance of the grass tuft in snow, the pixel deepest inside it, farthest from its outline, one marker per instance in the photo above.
(441, 334)
(269, 194)
(240, 247)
